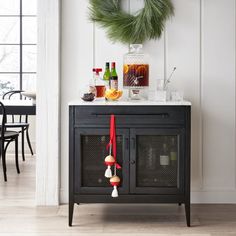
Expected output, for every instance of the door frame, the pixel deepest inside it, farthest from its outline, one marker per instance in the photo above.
(48, 103)
(180, 132)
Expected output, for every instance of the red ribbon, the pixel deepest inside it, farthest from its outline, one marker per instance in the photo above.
(113, 139)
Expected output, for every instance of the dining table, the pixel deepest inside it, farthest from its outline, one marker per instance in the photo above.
(19, 107)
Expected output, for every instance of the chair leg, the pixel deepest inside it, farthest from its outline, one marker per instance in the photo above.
(28, 141)
(4, 165)
(22, 143)
(16, 155)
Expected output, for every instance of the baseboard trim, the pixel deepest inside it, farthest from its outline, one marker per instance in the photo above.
(214, 197)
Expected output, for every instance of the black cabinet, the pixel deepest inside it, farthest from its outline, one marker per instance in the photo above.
(153, 148)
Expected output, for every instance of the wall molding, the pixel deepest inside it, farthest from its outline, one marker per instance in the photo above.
(235, 89)
(48, 98)
(201, 96)
(201, 20)
(214, 197)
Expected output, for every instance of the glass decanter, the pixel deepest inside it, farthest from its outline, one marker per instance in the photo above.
(135, 71)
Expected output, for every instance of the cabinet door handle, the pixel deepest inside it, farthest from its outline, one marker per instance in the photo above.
(132, 162)
(127, 143)
(134, 143)
(162, 115)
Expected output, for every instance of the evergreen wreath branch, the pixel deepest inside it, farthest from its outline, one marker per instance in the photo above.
(148, 23)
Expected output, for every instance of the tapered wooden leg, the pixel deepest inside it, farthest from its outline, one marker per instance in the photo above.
(16, 155)
(188, 215)
(4, 165)
(71, 210)
(22, 143)
(28, 141)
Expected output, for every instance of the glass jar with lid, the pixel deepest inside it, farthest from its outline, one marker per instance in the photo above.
(135, 71)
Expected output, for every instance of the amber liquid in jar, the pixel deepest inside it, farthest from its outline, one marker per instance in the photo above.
(136, 75)
(100, 91)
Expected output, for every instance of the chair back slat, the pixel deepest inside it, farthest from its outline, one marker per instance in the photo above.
(2, 127)
(8, 96)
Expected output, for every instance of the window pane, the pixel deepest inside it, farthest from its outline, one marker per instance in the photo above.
(9, 58)
(29, 30)
(29, 58)
(29, 7)
(29, 82)
(10, 30)
(9, 82)
(9, 7)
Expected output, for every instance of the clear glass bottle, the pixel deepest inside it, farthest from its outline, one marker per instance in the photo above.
(99, 84)
(135, 71)
(151, 158)
(164, 156)
(173, 153)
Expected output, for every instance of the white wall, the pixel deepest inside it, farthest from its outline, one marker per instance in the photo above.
(200, 42)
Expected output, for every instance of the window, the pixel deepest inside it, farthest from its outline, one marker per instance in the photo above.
(18, 48)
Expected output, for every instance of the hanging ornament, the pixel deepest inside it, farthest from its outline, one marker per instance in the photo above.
(115, 182)
(109, 161)
(112, 143)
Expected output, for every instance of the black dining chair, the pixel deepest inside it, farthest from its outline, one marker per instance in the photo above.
(6, 137)
(21, 122)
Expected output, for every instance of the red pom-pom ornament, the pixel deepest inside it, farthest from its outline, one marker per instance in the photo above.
(109, 161)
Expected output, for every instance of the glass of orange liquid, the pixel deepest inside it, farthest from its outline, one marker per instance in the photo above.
(99, 84)
(100, 91)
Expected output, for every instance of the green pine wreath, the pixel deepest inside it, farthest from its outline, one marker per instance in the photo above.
(146, 24)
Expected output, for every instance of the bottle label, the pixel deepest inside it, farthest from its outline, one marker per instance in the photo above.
(173, 156)
(164, 160)
(114, 84)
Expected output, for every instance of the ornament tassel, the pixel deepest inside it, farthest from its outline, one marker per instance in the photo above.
(108, 172)
(115, 192)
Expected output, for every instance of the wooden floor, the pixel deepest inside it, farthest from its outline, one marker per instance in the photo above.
(19, 216)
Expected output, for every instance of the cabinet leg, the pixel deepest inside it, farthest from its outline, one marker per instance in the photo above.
(71, 210)
(188, 215)
(180, 204)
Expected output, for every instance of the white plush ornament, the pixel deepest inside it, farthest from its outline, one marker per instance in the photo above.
(108, 172)
(109, 161)
(115, 182)
(115, 192)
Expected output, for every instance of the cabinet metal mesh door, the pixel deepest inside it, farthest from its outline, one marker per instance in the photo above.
(157, 161)
(93, 152)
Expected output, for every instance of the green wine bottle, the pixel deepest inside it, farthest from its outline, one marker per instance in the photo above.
(107, 75)
(107, 72)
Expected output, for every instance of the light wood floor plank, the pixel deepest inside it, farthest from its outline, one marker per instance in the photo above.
(20, 217)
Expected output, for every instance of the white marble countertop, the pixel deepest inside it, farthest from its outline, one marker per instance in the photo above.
(128, 103)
